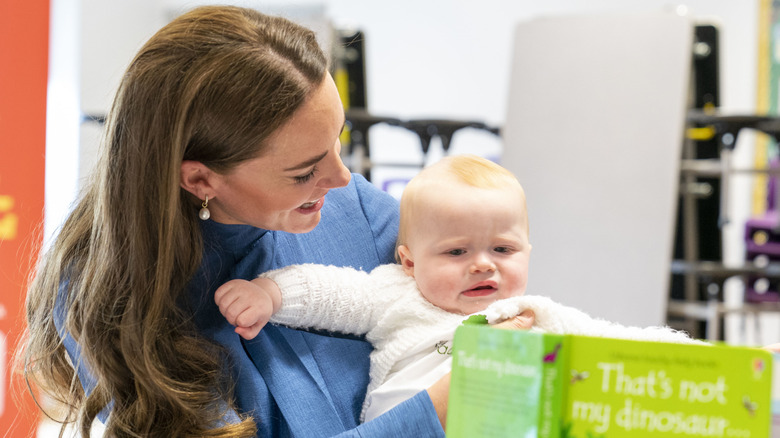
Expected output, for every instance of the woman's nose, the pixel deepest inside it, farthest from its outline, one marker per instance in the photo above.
(335, 173)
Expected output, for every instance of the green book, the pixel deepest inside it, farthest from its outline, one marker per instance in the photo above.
(510, 383)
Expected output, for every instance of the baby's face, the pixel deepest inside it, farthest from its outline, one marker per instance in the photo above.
(469, 247)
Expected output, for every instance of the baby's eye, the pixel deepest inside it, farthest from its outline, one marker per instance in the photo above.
(502, 249)
(456, 252)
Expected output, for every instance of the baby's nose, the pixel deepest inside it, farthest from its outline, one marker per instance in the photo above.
(483, 263)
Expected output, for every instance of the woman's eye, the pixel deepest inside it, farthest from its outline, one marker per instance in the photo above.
(305, 178)
(456, 252)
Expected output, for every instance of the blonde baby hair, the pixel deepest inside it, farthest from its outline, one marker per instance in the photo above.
(467, 169)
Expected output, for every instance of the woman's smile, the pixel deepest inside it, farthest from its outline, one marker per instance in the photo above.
(312, 206)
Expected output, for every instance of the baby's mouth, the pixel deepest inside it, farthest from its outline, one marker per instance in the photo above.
(480, 290)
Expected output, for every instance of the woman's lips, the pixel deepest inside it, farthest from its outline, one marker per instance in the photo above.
(311, 207)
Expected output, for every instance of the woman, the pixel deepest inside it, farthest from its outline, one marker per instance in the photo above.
(220, 154)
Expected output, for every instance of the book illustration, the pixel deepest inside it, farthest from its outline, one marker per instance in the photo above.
(551, 356)
(751, 406)
(577, 376)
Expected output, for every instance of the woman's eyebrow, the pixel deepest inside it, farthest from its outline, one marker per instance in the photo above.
(307, 163)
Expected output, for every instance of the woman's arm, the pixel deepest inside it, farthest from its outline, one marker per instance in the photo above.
(416, 417)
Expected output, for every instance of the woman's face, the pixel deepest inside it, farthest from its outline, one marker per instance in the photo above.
(284, 188)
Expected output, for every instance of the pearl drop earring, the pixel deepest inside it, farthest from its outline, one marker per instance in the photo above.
(204, 212)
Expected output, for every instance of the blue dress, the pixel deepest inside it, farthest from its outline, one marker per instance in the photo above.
(296, 383)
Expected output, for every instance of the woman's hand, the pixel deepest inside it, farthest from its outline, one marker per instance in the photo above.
(523, 321)
(439, 393)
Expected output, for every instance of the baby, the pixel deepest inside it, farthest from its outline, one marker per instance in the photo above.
(462, 245)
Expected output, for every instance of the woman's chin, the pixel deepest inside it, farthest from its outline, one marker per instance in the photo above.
(304, 225)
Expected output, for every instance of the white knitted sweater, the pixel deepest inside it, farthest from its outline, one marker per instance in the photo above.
(386, 306)
(383, 305)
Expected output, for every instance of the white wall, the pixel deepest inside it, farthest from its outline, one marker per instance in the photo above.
(597, 151)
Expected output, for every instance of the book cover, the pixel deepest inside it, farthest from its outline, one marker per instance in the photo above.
(515, 383)
(496, 383)
(776, 395)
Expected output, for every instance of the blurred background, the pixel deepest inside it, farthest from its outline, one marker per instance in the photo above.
(643, 132)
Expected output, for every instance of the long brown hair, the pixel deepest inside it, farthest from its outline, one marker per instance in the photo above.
(210, 86)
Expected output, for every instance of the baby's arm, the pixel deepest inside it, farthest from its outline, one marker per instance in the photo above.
(337, 299)
(774, 348)
(248, 305)
(553, 317)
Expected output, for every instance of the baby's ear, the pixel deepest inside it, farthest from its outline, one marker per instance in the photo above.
(406, 260)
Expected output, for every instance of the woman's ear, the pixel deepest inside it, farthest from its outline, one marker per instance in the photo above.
(406, 260)
(198, 179)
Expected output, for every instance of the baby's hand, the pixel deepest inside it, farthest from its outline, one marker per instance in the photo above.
(248, 305)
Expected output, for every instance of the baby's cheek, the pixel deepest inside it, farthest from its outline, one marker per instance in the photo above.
(443, 294)
(522, 285)
(437, 280)
(517, 286)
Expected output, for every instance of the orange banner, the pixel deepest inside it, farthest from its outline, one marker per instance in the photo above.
(24, 54)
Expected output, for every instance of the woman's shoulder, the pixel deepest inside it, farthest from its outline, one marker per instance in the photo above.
(362, 192)
(358, 227)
